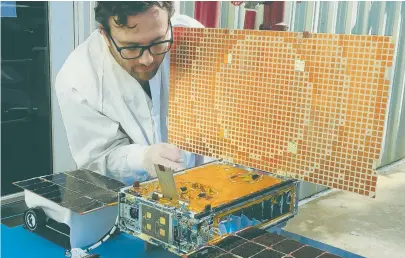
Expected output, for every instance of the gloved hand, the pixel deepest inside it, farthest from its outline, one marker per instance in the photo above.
(164, 154)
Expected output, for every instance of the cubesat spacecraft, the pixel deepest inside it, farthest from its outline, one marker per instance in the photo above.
(215, 199)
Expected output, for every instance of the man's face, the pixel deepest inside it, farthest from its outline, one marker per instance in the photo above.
(143, 29)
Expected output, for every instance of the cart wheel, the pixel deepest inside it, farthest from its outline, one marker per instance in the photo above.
(34, 218)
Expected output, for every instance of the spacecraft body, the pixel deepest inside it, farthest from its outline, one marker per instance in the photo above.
(215, 199)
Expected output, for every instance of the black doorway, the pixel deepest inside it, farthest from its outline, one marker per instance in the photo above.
(26, 129)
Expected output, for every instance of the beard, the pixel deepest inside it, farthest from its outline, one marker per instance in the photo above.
(133, 70)
(142, 76)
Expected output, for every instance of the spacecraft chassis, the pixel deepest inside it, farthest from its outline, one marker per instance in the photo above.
(182, 232)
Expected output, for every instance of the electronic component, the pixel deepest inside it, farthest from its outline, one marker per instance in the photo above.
(216, 199)
(166, 182)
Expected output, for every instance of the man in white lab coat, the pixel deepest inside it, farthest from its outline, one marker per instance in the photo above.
(113, 96)
(113, 92)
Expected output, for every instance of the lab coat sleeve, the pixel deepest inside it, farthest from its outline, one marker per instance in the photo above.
(96, 141)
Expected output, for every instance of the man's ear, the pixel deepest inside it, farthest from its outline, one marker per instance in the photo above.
(103, 32)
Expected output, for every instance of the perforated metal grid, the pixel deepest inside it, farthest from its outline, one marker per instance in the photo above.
(308, 106)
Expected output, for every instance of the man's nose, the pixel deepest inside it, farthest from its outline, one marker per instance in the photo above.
(146, 59)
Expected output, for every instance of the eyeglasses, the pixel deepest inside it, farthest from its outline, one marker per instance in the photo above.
(134, 52)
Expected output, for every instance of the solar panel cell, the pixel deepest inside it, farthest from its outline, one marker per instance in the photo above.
(226, 256)
(287, 246)
(307, 252)
(38, 186)
(259, 243)
(207, 252)
(59, 179)
(268, 253)
(25, 183)
(97, 179)
(231, 242)
(251, 233)
(81, 191)
(248, 249)
(269, 239)
(48, 189)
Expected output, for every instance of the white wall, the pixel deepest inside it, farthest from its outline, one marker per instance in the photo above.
(61, 45)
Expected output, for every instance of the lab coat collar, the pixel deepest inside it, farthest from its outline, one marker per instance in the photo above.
(155, 86)
(130, 90)
(152, 133)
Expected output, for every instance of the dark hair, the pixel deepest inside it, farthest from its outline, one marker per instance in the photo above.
(105, 9)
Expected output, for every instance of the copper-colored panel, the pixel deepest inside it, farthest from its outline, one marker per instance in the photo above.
(220, 183)
(312, 108)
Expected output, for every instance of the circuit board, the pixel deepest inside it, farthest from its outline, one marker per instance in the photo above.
(212, 184)
(216, 199)
(306, 106)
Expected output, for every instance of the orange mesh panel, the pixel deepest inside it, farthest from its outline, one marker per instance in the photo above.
(308, 107)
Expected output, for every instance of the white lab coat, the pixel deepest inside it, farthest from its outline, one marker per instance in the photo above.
(109, 121)
(108, 118)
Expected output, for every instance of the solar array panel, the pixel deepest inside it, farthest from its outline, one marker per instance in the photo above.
(81, 191)
(258, 243)
(306, 106)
